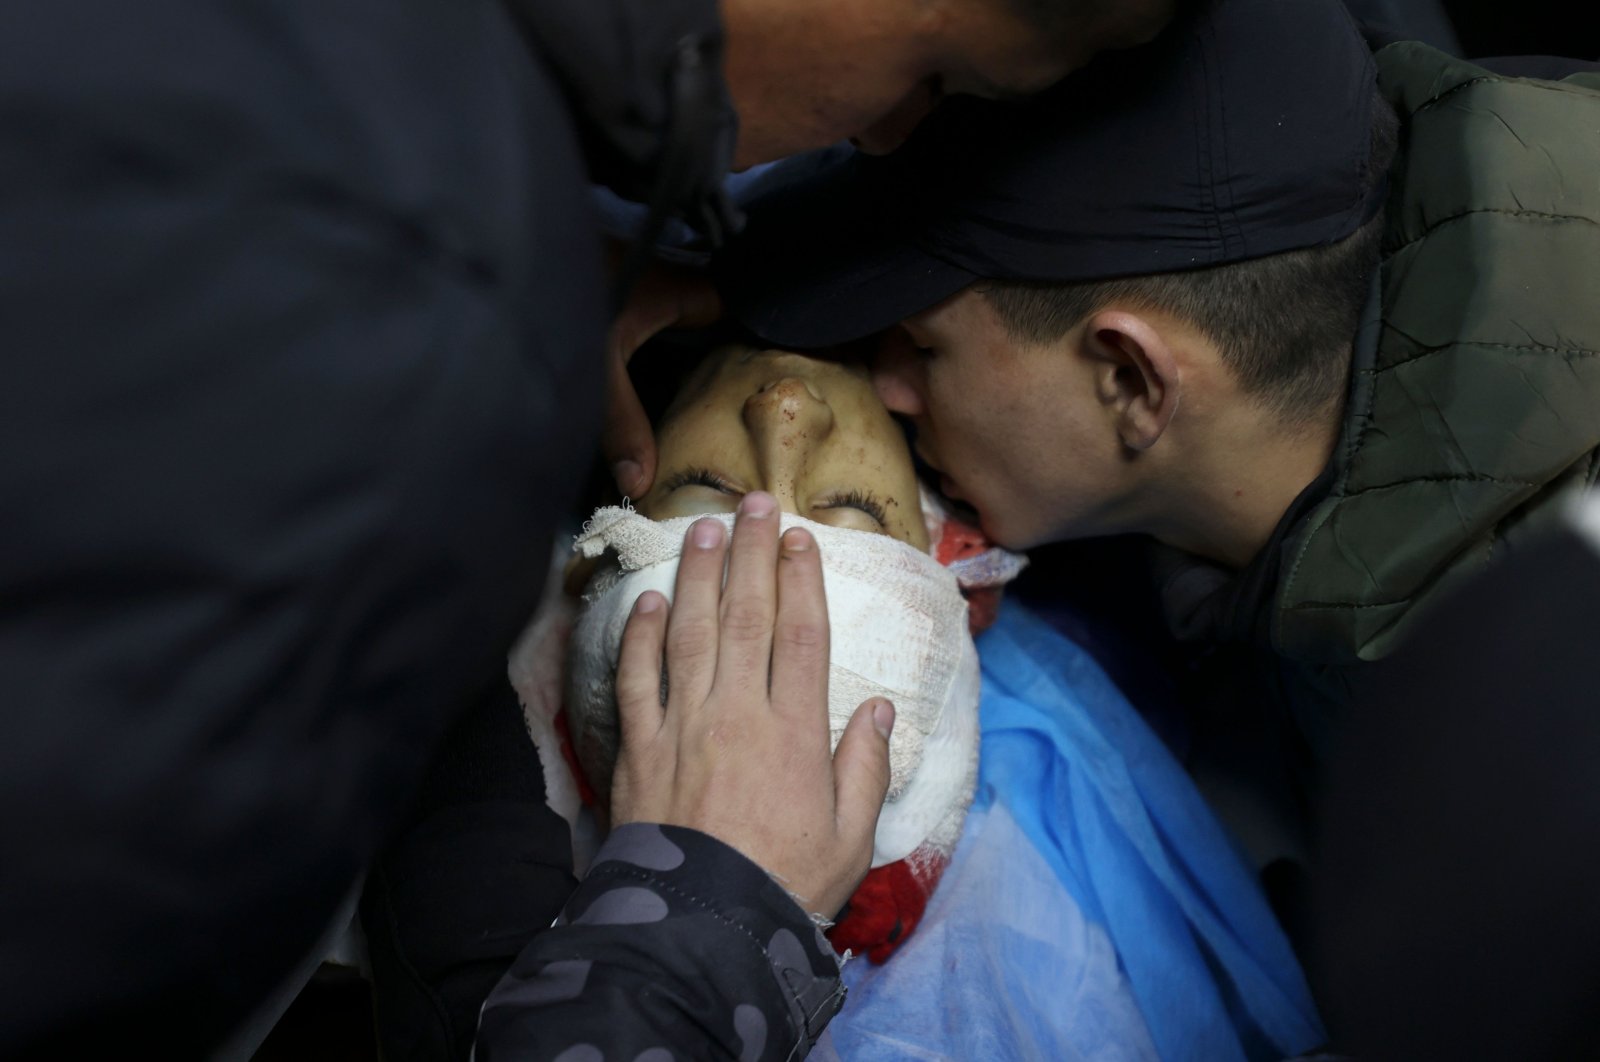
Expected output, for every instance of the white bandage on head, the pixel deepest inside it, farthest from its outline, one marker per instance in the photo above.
(898, 628)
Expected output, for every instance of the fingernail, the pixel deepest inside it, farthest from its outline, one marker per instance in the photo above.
(797, 540)
(883, 718)
(627, 473)
(649, 601)
(757, 504)
(706, 534)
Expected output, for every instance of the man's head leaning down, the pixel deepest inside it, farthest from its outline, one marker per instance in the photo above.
(1125, 306)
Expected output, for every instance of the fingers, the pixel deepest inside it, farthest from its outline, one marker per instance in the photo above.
(692, 626)
(639, 670)
(663, 298)
(800, 632)
(749, 601)
(628, 441)
(861, 770)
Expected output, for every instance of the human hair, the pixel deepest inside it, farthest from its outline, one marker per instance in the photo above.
(1283, 322)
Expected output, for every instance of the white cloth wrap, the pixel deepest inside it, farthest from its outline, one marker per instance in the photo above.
(898, 628)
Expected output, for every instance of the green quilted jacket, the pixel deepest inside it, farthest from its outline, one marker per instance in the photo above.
(1474, 413)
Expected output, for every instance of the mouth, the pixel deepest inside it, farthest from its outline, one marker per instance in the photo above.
(950, 493)
(961, 509)
(947, 486)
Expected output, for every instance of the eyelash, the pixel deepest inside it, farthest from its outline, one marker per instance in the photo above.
(857, 499)
(850, 499)
(702, 477)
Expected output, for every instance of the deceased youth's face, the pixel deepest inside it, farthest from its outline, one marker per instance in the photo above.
(812, 433)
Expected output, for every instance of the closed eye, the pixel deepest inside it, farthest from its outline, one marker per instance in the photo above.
(698, 477)
(857, 499)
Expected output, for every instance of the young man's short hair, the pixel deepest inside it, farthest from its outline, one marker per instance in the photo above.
(1284, 322)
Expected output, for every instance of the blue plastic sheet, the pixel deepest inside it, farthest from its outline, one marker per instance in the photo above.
(1094, 908)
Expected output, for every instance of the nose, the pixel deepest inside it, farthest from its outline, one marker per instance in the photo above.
(893, 129)
(788, 420)
(896, 372)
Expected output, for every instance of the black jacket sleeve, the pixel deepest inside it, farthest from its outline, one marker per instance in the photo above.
(674, 946)
(483, 866)
(299, 305)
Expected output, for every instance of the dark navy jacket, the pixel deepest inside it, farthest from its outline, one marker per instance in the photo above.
(301, 312)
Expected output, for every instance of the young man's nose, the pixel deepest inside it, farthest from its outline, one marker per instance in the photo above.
(894, 369)
(893, 129)
(787, 419)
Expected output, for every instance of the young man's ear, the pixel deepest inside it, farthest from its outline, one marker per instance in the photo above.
(1136, 375)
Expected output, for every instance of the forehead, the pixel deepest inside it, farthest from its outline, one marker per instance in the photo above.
(712, 372)
(842, 371)
(863, 450)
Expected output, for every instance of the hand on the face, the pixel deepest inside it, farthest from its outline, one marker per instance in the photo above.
(741, 750)
(663, 298)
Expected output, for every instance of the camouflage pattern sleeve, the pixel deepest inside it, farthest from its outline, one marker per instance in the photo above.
(674, 947)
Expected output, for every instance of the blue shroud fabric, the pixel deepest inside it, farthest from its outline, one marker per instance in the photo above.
(1094, 908)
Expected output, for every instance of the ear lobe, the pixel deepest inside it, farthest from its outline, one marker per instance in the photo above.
(1136, 375)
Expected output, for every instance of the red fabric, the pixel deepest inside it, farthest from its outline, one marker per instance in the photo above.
(983, 608)
(888, 906)
(959, 541)
(892, 898)
(586, 791)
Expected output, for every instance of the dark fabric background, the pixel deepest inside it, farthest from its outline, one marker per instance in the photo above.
(297, 323)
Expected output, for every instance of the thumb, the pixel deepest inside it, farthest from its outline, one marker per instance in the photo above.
(663, 299)
(628, 441)
(861, 769)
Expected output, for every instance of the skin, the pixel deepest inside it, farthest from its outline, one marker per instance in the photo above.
(1131, 423)
(755, 432)
(804, 74)
(807, 73)
(749, 667)
(810, 432)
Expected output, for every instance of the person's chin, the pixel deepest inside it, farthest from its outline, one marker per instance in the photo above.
(997, 532)
(1014, 534)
